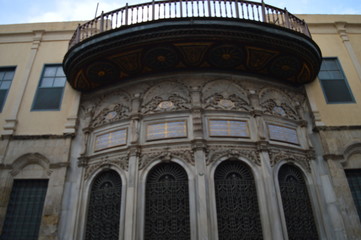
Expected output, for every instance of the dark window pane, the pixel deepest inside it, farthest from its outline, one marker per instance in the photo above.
(48, 99)
(24, 210)
(5, 85)
(336, 91)
(59, 82)
(334, 82)
(50, 90)
(6, 76)
(3, 94)
(50, 71)
(354, 181)
(60, 72)
(47, 82)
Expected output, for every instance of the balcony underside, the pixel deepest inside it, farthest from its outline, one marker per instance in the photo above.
(237, 46)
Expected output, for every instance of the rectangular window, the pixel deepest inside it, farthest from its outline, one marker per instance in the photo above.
(228, 128)
(283, 134)
(354, 181)
(24, 211)
(164, 130)
(111, 139)
(50, 90)
(6, 77)
(334, 83)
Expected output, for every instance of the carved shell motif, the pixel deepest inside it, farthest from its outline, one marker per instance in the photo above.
(167, 96)
(277, 103)
(222, 94)
(110, 114)
(111, 108)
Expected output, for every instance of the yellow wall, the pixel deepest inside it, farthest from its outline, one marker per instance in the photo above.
(16, 43)
(16, 48)
(329, 39)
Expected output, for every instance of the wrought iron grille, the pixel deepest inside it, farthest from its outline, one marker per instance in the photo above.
(296, 204)
(167, 203)
(354, 181)
(25, 209)
(237, 205)
(104, 207)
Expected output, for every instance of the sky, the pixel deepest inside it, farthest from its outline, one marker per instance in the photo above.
(25, 11)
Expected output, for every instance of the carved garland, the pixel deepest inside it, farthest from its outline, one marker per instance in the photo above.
(173, 103)
(217, 152)
(109, 115)
(118, 161)
(301, 158)
(165, 155)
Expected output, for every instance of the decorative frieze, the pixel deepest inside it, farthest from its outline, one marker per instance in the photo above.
(228, 151)
(92, 166)
(302, 158)
(165, 155)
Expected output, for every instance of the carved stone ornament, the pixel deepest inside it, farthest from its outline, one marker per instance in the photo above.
(117, 161)
(217, 152)
(233, 102)
(172, 103)
(277, 103)
(302, 159)
(225, 95)
(166, 96)
(165, 155)
(110, 114)
(282, 110)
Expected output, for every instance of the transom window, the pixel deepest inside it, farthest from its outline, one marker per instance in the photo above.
(50, 91)
(6, 77)
(334, 83)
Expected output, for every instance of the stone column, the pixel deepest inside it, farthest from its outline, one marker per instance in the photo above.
(130, 219)
(202, 203)
(199, 150)
(274, 217)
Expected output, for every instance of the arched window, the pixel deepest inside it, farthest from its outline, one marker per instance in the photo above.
(104, 207)
(237, 204)
(296, 204)
(167, 203)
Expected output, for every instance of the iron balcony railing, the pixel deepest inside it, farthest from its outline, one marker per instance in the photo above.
(173, 9)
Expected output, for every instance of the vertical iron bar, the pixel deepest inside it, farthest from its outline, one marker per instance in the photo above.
(237, 9)
(264, 12)
(77, 36)
(126, 14)
(287, 19)
(181, 8)
(153, 10)
(209, 8)
(102, 22)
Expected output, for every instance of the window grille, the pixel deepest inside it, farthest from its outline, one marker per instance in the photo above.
(237, 204)
(167, 203)
(334, 82)
(50, 89)
(104, 207)
(296, 204)
(24, 211)
(354, 181)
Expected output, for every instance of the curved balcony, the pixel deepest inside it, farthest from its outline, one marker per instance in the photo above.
(191, 35)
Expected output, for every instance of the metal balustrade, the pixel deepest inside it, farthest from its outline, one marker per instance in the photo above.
(176, 9)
